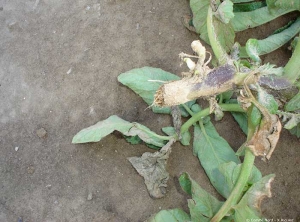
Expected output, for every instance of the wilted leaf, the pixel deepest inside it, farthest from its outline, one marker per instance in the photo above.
(212, 151)
(185, 137)
(199, 9)
(101, 129)
(231, 171)
(203, 205)
(255, 47)
(152, 166)
(291, 120)
(145, 82)
(245, 20)
(225, 11)
(174, 215)
(105, 127)
(145, 134)
(249, 206)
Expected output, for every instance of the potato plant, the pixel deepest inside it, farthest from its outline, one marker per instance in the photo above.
(240, 84)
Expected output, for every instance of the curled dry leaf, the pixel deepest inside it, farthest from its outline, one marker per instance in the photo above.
(266, 137)
(152, 166)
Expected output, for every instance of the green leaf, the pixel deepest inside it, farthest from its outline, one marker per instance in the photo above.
(232, 170)
(241, 1)
(255, 116)
(247, 7)
(185, 137)
(246, 20)
(212, 151)
(267, 100)
(242, 120)
(199, 9)
(293, 104)
(275, 5)
(174, 215)
(105, 127)
(294, 43)
(145, 134)
(244, 213)
(145, 82)
(249, 206)
(255, 47)
(225, 11)
(101, 129)
(292, 68)
(253, 50)
(133, 140)
(296, 130)
(221, 37)
(203, 205)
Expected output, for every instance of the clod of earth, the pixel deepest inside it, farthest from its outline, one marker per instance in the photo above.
(41, 133)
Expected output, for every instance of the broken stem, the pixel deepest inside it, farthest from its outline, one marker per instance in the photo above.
(198, 116)
(239, 186)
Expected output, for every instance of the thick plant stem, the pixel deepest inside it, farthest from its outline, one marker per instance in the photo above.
(198, 116)
(238, 188)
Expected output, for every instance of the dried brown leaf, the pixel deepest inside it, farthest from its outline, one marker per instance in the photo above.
(152, 166)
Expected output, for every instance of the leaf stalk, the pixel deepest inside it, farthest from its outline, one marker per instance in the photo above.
(237, 191)
(198, 116)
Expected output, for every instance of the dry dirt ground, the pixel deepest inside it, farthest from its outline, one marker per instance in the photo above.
(59, 62)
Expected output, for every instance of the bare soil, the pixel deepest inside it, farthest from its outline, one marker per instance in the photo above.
(59, 62)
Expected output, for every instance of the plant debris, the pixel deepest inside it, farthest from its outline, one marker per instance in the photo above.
(152, 166)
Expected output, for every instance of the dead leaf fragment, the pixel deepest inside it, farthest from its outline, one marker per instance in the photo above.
(152, 166)
(265, 139)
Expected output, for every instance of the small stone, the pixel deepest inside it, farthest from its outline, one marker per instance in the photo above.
(90, 196)
(30, 170)
(16, 148)
(69, 71)
(41, 132)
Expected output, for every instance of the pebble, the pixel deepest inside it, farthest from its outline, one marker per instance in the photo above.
(69, 71)
(41, 132)
(30, 170)
(16, 148)
(90, 196)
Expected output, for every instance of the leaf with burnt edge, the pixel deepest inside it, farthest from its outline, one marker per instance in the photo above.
(249, 206)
